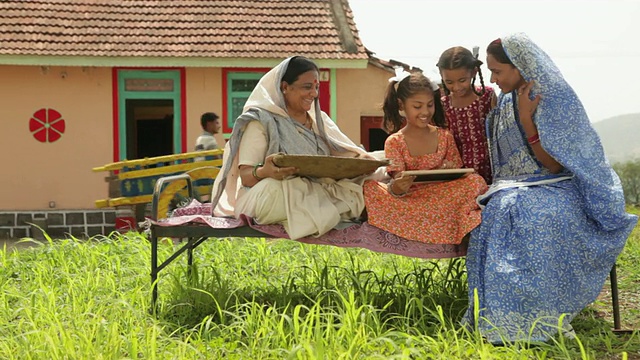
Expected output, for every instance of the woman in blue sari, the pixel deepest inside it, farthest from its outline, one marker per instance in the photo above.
(554, 220)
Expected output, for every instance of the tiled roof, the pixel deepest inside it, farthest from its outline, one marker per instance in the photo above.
(389, 65)
(321, 29)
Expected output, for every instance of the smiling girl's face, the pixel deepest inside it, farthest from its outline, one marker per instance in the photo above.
(458, 81)
(419, 109)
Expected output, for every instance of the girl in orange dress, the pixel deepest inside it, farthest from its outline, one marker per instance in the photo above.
(439, 213)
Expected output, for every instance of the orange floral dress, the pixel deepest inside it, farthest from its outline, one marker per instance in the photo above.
(437, 213)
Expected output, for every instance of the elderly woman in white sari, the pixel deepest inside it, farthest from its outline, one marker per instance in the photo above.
(282, 115)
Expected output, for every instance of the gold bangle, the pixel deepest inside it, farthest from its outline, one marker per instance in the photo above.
(255, 171)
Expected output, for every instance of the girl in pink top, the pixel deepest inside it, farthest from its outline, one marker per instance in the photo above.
(466, 106)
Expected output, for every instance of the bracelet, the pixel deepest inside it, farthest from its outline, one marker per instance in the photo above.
(255, 171)
(390, 190)
(533, 139)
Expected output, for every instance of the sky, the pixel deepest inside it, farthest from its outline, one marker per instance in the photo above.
(596, 44)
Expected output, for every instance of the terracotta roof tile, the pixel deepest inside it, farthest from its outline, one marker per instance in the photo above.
(180, 28)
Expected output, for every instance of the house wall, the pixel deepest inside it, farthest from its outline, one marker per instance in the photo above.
(38, 173)
(204, 93)
(360, 92)
(35, 173)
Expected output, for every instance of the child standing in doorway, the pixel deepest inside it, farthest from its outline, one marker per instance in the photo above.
(466, 106)
(439, 213)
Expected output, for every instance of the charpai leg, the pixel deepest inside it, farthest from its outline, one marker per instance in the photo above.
(617, 326)
(190, 244)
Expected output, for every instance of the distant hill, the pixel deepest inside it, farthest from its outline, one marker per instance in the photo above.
(620, 137)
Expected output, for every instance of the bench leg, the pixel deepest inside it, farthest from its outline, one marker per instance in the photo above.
(190, 252)
(613, 276)
(190, 256)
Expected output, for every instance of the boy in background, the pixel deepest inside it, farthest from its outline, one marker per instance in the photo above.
(210, 125)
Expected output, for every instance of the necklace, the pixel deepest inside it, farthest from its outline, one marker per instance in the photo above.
(307, 125)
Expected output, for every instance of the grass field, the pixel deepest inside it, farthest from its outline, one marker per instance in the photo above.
(260, 299)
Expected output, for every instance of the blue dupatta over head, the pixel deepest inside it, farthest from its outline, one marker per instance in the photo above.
(566, 132)
(547, 241)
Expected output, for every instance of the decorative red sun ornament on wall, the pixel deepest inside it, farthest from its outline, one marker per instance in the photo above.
(47, 125)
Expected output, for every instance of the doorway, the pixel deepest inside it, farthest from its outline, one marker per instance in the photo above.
(372, 136)
(149, 127)
(150, 119)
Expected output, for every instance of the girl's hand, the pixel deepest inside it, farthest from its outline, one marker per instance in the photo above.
(446, 164)
(402, 183)
(526, 106)
(270, 169)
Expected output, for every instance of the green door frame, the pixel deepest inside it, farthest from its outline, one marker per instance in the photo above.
(121, 95)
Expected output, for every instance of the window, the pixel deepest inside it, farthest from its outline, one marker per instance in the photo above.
(239, 87)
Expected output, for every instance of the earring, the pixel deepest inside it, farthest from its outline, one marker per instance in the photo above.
(402, 113)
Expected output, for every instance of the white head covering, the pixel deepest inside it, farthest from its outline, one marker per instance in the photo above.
(267, 94)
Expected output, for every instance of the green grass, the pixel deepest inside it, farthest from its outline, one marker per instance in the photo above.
(260, 299)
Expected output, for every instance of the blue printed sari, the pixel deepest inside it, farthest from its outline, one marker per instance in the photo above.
(547, 241)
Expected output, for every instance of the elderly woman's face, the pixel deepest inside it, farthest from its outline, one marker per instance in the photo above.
(300, 95)
(506, 76)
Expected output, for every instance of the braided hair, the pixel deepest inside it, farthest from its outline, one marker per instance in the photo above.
(460, 57)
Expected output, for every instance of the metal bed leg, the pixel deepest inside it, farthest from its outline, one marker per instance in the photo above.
(154, 269)
(613, 276)
(190, 256)
(617, 326)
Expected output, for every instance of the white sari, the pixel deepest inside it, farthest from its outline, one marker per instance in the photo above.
(304, 206)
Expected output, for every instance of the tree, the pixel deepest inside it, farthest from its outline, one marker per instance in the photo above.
(629, 173)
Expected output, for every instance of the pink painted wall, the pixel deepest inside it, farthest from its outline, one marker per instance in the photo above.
(36, 173)
(204, 93)
(360, 92)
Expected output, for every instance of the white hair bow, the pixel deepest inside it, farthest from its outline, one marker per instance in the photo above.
(400, 75)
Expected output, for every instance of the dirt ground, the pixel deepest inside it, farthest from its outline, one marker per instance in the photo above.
(13, 244)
